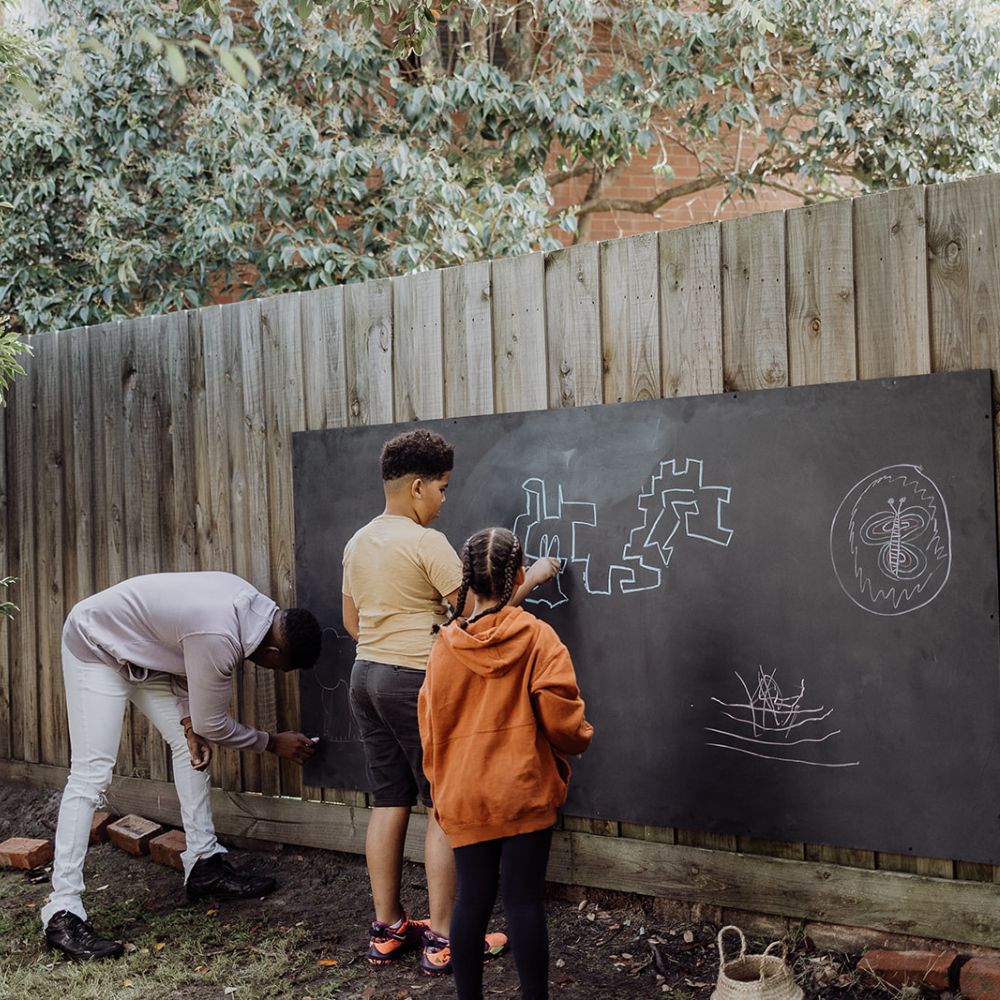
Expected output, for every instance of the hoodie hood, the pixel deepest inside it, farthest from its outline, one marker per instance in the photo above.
(492, 645)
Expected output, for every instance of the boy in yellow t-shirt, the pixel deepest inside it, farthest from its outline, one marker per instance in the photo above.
(398, 573)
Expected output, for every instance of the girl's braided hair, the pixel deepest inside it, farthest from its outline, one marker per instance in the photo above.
(490, 561)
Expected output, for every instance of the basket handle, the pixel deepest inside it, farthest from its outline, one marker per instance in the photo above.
(778, 944)
(721, 944)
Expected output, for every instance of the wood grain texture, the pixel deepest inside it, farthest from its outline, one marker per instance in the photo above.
(754, 337)
(467, 335)
(890, 276)
(284, 412)
(573, 324)
(630, 322)
(518, 318)
(418, 353)
(368, 349)
(821, 341)
(691, 310)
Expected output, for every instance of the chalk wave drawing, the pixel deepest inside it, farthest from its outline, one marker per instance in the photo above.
(772, 726)
(338, 719)
(675, 499)
(890, 541)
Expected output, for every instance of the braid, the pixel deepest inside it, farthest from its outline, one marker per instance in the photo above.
(498, 561)
(463, 590)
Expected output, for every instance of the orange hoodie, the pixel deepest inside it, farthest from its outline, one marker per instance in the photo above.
(499, 710)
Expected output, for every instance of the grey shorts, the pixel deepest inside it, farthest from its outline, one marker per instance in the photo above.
(384, 703)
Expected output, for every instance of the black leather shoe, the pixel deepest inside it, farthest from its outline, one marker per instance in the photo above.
(78, 940)
(216, 878)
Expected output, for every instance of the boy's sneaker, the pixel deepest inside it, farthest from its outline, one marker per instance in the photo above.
(435, 959)
(388, 941)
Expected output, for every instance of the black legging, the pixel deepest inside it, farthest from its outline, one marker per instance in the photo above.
(520, 863)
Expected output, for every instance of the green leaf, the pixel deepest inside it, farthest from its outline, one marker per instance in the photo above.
(150, 40)
(233, 67)
(97, 46)
(248, 59)
(176, 63)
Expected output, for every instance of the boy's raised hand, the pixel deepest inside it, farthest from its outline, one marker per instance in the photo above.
(291, 746)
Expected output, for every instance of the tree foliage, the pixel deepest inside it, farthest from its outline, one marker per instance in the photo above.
(315, 152)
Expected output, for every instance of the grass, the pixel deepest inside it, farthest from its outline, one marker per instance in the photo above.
(186, 953)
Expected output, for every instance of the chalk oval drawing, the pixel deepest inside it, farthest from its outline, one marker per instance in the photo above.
(890, 541)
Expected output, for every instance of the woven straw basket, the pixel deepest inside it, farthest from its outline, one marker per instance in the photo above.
(755, 977)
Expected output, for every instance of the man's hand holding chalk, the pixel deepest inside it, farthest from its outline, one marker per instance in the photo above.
(291, 746)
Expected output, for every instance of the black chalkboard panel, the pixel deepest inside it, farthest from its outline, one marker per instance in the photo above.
(782, 605)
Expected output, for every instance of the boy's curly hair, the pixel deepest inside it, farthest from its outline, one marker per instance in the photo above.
(417, 453)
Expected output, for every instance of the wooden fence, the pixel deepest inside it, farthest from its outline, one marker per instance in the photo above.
(164, 444)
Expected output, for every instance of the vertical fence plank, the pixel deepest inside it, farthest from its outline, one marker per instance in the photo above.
(691, 310)
(418, 363)
(223, 400)
(518, 316)
(324, 358)
(630, 321)
(963, 242)
(368, 352)
(82, 451)
(890, 274)
(107, 381)
(754, 338)
(573, 325)
(6, 567)
(323, 361)
(48, 606)
(468, 340)
(284, 412)
(180, 547)
(821, 340)
(260, 704)
(25, 681)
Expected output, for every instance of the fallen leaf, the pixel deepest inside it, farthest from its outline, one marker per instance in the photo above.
(591, 916)
(201, 968)
(159, 946)
(688, 937)
(327, 961)
(128, 983)
(212, 912)
(560, 963)
(129, 947)
(101, 888)
(582, 904)
(229, 991)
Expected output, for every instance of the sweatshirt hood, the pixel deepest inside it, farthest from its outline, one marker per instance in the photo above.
(492, 645)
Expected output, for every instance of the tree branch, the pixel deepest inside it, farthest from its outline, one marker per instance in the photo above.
(650, 205)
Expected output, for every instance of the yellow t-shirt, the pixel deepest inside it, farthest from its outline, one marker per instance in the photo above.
(397, 572)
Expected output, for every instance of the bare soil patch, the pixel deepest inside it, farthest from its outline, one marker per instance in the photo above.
(307, 940)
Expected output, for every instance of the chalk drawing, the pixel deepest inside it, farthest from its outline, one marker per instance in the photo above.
(338, 719)
(676, 499)
(768, 724)
(890, 541)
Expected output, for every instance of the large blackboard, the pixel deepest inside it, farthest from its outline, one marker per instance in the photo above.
(782, 605)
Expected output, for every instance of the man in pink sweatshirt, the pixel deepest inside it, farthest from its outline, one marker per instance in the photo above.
(169, 643)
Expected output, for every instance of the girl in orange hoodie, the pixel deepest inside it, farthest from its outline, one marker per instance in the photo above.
(499, 711)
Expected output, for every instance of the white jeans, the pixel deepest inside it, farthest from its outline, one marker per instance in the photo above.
(96, 696)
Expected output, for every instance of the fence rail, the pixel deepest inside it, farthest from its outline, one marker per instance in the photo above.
(164, 443)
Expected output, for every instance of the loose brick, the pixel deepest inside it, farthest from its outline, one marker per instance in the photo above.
(980, 979)
(167, 848)
(133, 833)
(21, 852)
(909, 968)
(99, 827)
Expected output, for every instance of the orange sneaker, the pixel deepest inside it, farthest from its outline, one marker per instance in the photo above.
(388, 941)
(435, 959)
